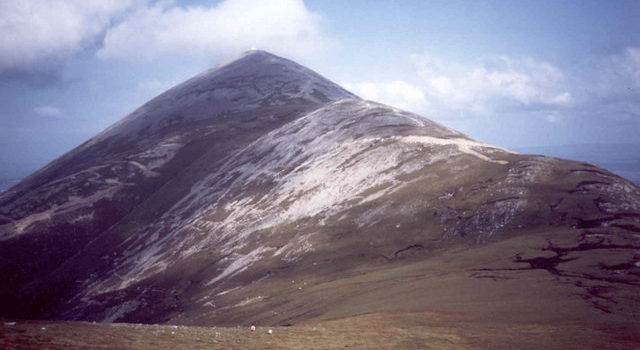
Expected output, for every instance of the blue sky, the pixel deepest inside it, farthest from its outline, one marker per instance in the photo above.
(510, 73)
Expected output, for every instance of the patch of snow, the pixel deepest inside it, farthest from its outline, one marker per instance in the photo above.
(82, 218)
(74, 203)
(145, 170)
(118, 311)
(295, 248)
(241, 263)
(158, 155)
(249, 301)
(464, 145)
(227, 291)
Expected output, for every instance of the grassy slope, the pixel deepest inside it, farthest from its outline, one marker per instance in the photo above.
(472, 297)
(469, 297)
(425, 330)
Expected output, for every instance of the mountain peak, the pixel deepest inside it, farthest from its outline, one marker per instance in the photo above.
(250, 56)
(255, 79)
(259, 52)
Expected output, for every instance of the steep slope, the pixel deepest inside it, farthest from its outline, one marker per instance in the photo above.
(283, 199)
(54, 213)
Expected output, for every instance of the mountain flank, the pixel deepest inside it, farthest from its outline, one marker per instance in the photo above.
(259, 192)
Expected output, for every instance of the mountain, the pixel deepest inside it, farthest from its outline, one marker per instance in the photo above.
(260, 192)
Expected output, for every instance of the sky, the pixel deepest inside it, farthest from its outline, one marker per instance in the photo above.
(510, 73)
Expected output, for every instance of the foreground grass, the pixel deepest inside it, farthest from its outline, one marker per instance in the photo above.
(468, 298)
(423, 330)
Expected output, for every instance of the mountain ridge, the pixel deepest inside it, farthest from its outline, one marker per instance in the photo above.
(259, 191)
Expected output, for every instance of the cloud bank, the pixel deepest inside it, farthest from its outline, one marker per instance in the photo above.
(36, 32)
(163, 29)
(47, 111)
(597, 87)
(491, 83)
(395, 93)
(39, 32)
(484, 87)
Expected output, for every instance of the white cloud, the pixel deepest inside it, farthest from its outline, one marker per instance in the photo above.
(395, 93)
(164, 29)
(630, 61)
(553, 117)
(35, 31)
(366, 90)
(445, 89)
(600, 89)
(491, 83)
(608, 87)
(47, 111)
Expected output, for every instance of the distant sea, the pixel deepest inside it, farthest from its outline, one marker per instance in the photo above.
(622, 159)
(6, 183)
(12, 173)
